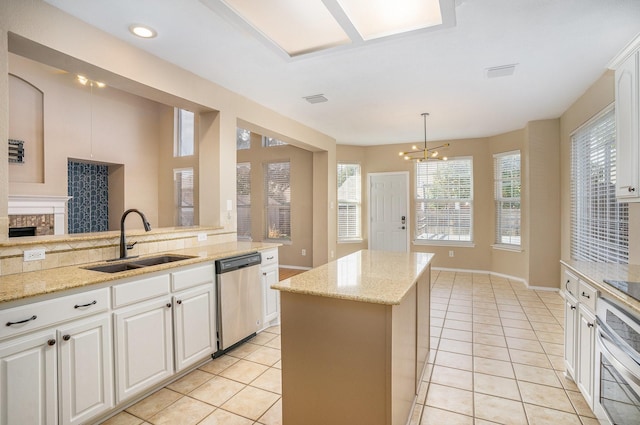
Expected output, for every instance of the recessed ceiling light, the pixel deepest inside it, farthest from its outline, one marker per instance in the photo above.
(316, 98)
(142, 31)
(501, 71)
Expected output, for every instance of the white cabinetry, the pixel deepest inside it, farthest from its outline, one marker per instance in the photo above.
(271, 298)
(627, 103)
(194, 323)
(586, 353)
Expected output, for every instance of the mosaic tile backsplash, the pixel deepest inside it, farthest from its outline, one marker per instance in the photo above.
(88, 185)
(44, 223)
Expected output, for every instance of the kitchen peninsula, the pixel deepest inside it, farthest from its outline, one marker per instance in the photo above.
(355, 339)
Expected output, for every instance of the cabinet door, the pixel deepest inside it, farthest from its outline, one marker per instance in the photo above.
(195, 325)
(570, 341)
(144, 347)
(627, 127)
(28, 380)
(85, 369)
(271, 297)
(586, 353)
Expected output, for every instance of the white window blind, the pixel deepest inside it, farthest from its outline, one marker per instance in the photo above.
(185, 133)
(183, 191)
(243, 139)
(277, 191)
(599, 224)
(271, 141)
(444, 200)
(349, 202)
(507, 197)
(243, 199)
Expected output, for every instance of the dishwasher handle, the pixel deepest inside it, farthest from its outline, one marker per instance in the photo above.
(230, 264)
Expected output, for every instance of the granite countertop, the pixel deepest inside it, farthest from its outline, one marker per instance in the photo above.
(31, 284)
(378, 277)
(596, 273)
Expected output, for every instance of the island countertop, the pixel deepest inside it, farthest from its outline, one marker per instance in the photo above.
(378, 277)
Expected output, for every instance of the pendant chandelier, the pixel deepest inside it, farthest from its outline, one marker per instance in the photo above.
(425, 154)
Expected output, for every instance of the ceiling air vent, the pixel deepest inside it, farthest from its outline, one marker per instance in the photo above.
(501, 71)
(316, 98)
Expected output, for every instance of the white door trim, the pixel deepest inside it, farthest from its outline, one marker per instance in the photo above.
(409, 227)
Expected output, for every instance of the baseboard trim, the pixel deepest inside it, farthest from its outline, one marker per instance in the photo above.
(282, 266)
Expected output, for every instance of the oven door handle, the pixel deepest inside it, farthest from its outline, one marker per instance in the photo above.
(619, 343)
(603, 339)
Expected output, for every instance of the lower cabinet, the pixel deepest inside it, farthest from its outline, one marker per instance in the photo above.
(586, 353)
(271, 298)
(570, 340)
(143, 346)
(194, 339)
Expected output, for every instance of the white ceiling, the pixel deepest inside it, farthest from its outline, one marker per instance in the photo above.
(378, 90)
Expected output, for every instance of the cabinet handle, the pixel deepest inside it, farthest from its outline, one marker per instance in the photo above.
(264, 274)
(584, 294)
(85, 305)
(179, 301)
(589, 324)
(573, 307)
(51, 342)
(632, 189)
(269, 258)
(34, 317)
(66, 337)
(168, 305)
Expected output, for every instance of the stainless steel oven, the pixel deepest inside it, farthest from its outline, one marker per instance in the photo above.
(617, 381)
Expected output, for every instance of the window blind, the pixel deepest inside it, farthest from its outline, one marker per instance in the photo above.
(243, 199)
(599, 224)
(507, 179)
(444, 200)
(349, 202)
(277, 191)
(183, 181)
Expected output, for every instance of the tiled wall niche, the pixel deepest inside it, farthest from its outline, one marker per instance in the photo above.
(88, 187)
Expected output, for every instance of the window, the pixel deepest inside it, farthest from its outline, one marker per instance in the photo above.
(444, 201)
(506, 167)
(277, 200)
(599, 224)
(349, 195)
(270, 141)
(185, 127)
(183, 190)
(243, 200)
(243, 139)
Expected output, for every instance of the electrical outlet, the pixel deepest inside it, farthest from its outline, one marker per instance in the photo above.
(202, 237)
(304, 252)
(450, 253)
(34, 254)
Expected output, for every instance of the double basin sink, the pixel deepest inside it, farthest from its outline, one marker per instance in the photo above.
(138, 263)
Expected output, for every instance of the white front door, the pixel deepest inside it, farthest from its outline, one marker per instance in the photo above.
(389, 211)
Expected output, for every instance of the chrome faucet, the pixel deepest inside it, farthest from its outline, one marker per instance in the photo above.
(123, 242)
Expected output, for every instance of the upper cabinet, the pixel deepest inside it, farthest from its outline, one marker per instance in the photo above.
(627, 92)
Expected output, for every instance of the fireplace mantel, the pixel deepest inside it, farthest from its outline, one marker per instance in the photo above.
(39, 204)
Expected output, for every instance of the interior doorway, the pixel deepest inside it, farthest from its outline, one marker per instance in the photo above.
(389, 211)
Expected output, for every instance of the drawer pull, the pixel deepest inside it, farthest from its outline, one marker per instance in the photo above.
(573, 307)
(589, 324)
(85, 305)
(584, 294)
(269, 258)
(51, 342)
(179, 301)
(168, 305)
(34, 317)
(632, 189)
(66, 337)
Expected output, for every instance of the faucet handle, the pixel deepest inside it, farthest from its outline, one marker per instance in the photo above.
(130, 245)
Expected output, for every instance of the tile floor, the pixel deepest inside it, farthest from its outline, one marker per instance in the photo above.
(496, 358)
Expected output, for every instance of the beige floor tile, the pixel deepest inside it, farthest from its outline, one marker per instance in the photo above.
(487, 320)
(580, 404)
(542, 395)
(216, 366)
(520, 333)
(491, 312)
(538, 415)
(488, 329)
(477, 421)
(511, 308)
(496, 385)
(456, 308)
(222, 417)
(186, 411)
(481, 307)
(278, 365)
(243, 350)
(453, 346)
(566, 381)
(466, 303)
(524, 344)
(251, 402)
(532, 359)
(465, 317)
(451, 377)
(552, 337)
(513, 315)
(457, 335)
(491, 352)
(436, 322)
(273, 416)
(151, 405)
(123, 418)
(432, 415)
(500, 410)
(273, 329)
(557, 362)
(589, 421)
(263, 337)
(488, 339)
(452, 399)
(270, 380)
(454, 360)
(537, 375)
(217, 391)
(519, 324)
(435, 312)
(493, 367)
(264, 355)
(547, 327)
(244, 371)
(458, 324)
(553, 349)
(190, 381)
(274, 343)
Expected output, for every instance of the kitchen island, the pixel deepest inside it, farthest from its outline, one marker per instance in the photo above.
(355, 339)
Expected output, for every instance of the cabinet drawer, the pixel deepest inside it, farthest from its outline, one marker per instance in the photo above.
(140, 290)
(46, 313)
(587, 295)
(269, 256)
(571, 283)
(192, 277)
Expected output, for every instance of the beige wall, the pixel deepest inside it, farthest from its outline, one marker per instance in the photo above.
(301, 179)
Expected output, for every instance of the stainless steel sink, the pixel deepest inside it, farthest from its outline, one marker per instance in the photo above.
(138, 263)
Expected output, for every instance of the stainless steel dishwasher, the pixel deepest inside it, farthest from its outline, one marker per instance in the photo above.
(239, 300)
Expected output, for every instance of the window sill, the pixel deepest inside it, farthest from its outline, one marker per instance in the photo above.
(461, 244)
(350, 240)
(511, 248)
